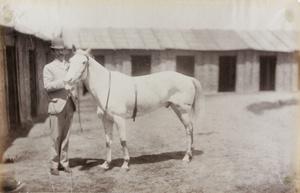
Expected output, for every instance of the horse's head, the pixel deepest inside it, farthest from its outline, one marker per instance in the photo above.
(77, 68)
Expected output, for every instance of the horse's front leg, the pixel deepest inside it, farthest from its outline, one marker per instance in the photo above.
(121, 126)
(108, 127)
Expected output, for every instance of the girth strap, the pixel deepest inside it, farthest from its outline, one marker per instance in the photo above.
(135, 93)
(108, 93)
(135, 102)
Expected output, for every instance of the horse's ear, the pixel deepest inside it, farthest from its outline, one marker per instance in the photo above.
(73, 48)
(88, 51)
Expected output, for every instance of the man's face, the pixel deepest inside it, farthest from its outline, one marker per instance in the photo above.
(59, 54)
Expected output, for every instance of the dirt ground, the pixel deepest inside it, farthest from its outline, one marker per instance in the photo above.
(245, 143)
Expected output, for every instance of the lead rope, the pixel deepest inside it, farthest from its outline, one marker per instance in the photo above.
(79, 120)
(106, 106)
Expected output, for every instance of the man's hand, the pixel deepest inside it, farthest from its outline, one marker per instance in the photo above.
(68, 86)
(71, 88)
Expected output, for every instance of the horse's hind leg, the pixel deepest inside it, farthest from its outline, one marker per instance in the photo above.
(108, 127)
(184, 116)
(121, 126)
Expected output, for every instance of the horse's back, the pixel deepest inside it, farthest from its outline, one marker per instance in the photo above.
(160, 82)
(153, 90)
(163, 85)
(166, 77)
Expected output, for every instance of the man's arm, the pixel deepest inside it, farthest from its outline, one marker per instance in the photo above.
(49, 83)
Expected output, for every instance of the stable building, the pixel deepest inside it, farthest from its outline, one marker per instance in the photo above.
(222, 60)
(23, 100)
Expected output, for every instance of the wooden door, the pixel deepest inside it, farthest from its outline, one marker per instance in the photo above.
(33, 84)
(227, 73)
(185, 65)
(12, 87)
(141, 65)
(267, 73)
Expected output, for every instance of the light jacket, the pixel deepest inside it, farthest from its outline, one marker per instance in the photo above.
(53, 75)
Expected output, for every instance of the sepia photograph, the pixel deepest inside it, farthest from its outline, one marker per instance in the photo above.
(150, 96)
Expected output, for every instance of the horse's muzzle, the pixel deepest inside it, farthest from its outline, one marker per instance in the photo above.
(68, 84)
(67, 80)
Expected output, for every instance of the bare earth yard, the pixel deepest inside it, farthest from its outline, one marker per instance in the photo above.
(245, 143)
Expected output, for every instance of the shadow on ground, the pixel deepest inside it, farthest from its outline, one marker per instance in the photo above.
(259, 108)
(15, 132)
(88, 163)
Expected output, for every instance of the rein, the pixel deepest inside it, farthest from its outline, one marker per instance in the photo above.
(109, 84)
(107, 101)
(79, 120)
(108, 94)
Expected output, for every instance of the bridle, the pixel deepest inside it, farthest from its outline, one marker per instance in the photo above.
(108, 96)
(109, 82)
(86, 66)
(107, 100)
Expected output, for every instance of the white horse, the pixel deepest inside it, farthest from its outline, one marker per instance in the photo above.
(119, 97)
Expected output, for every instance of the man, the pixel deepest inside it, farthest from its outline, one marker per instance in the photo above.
(61, 108)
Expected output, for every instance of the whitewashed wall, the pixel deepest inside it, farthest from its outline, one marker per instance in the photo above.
(207, 67)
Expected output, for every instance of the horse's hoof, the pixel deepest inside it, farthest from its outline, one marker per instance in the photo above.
(125, 168)
(186, 159)
(104, 166)
(186, 162)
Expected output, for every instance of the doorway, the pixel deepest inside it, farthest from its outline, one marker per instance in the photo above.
(267, 73)
(100, 59)
(227, 73)
(141, 65)
(12, 83)
(33, 83)
(185, 65)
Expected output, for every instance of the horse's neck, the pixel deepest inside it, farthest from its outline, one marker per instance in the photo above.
(97, 78)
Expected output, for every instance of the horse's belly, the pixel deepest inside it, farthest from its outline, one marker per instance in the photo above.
(147, 106)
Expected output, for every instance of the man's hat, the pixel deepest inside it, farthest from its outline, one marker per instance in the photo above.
(58, 43)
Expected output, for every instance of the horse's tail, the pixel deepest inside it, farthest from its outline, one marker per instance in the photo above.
(198, 107)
